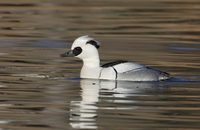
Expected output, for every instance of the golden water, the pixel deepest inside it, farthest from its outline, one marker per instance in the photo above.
(41, 91)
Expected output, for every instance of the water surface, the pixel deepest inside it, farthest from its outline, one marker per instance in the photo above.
(39, 90)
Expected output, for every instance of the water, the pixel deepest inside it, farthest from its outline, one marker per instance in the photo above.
(39, 90)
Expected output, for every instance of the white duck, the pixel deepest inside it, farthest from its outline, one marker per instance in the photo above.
(86, 48)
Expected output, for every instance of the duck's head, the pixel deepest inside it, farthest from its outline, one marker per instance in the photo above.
(83, 47)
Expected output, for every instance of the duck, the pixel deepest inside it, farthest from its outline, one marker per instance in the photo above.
(86, 48)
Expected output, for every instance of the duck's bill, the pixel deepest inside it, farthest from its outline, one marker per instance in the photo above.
(68, 54)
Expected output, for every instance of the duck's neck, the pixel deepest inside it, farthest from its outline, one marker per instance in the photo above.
(91, 67)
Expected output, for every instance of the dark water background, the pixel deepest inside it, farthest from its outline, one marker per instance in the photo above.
(41, 91)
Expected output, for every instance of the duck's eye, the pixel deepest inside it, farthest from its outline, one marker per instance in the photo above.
(77, 51)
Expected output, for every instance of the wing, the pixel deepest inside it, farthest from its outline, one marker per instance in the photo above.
(143, 74)
(123, 66)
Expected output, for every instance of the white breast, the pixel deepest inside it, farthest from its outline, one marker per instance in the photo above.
(108, 73)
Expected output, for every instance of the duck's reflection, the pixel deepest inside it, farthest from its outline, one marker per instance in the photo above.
(83, 113)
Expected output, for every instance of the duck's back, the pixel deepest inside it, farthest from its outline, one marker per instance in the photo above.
(123, 70)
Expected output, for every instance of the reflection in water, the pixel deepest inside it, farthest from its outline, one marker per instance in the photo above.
(83, 113)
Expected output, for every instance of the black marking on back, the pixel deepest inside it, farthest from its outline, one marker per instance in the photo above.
(161, 72)
(115, 73)
(94, 43)
(110, 64)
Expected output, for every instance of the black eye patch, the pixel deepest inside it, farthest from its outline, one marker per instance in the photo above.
(94, 43)
(77, 51)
